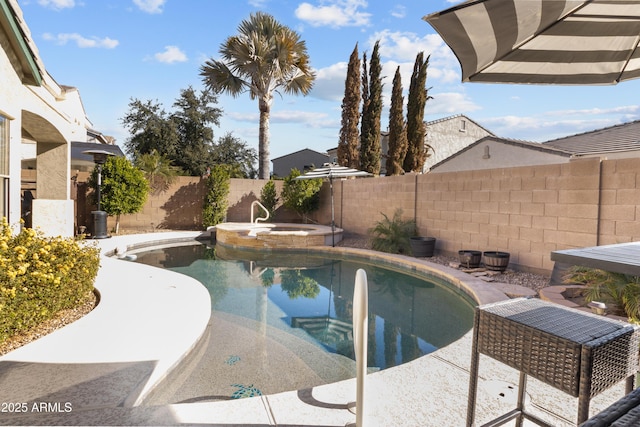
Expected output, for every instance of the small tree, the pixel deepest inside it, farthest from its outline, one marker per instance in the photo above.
(124, 188)
(301, 195)
(216, 202)
(269, 197)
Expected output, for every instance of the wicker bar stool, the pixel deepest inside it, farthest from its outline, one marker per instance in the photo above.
(576, 352)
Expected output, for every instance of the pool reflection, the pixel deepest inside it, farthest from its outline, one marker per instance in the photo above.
(409, 316)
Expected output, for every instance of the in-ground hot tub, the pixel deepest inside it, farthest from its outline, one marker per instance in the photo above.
(276, 235)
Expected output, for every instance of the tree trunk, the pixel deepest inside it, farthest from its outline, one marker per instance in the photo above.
(263, 138)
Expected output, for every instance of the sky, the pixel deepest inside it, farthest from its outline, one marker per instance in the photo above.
(115, 51)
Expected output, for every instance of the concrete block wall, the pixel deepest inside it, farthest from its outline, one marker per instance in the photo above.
(362, 201)
(620, 201)
(526, 211)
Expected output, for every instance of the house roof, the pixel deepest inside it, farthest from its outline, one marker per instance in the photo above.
(19, 38)
(78, 147)
(457, 116)
(301, 151)
(618, 138)
(515, 142)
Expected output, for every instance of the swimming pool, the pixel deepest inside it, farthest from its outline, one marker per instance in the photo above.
(282, 320)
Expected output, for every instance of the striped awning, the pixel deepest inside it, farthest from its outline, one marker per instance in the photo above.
(331, 171)
(543, 41)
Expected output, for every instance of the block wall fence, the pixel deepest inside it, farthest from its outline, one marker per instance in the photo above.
(526, 211)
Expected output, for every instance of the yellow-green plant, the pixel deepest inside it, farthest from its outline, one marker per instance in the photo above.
(39, 276)
(619, 289)
(393, 235)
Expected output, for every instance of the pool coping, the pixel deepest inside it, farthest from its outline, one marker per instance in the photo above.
(131, 325)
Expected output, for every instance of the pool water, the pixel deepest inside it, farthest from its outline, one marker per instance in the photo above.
(282, 321)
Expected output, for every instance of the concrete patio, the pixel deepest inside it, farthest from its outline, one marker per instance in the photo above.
(100, 369)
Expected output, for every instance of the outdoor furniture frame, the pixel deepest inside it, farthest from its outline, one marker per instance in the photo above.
(579, 353)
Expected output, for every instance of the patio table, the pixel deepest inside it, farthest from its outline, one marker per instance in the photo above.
(579, 353)
(618, 258)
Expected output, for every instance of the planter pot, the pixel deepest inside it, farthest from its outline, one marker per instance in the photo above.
(496, 261)
(422, 246)
(470, 259)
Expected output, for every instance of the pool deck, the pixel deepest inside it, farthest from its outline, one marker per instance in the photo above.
(99, 369)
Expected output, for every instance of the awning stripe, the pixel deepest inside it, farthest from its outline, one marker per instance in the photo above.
(543, 41)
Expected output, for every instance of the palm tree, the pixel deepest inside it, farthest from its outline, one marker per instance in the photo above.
(157, 170)
(265, 56)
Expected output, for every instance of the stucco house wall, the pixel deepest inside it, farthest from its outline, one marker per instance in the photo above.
(449, 135)
(492, 152)
(301, 160)
(43, 118)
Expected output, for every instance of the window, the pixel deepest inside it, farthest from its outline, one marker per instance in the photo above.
(4, 167)
(463, 125)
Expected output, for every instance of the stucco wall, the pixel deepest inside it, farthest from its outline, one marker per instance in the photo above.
(449, 136)
(490, 154)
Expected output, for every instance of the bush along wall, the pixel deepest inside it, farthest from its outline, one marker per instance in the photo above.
(40, 276)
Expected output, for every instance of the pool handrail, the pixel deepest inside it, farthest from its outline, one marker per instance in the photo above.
(266, 211)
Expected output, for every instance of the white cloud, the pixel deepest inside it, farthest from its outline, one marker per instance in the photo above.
(170, 55)
(259, 4)
(404, 46)
(399, 11)
(625, 109)
(448, 103)
(560, 123)
(334, 13)
(57, 4)
(307, 118)
(150, 6)
(329, 83)
(81, 41)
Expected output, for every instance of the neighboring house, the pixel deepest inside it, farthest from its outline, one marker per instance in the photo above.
(614, 142)
(302, 160)
(39, 114)
(445, 137)
(449, 135)
(492, 152)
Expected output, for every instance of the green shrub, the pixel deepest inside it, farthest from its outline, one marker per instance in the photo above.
(215, 204)
(393, 235)
(40, 276)
(617, 290)
(301, 196)
(269, 198)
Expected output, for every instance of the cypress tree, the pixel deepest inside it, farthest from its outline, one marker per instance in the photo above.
(370, 149)
(397, 129)
(416, 129)
(364, 123)
(348, 152)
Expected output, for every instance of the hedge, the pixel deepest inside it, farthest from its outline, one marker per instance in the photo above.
(39, 276)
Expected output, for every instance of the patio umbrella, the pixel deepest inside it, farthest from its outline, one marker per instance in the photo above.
(333, 171)
(543, 41)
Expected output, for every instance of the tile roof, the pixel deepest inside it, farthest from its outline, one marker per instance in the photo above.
(618, 138)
